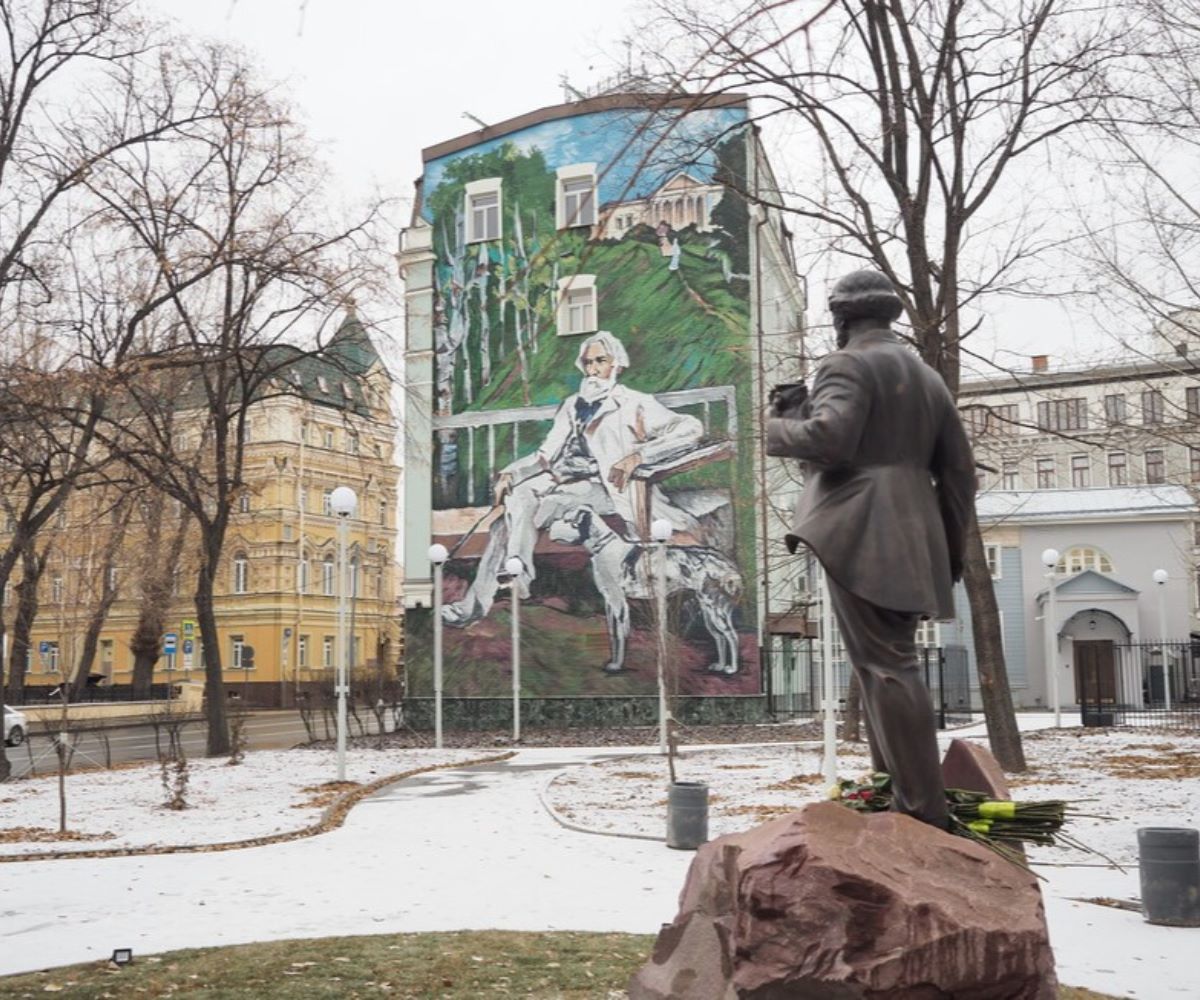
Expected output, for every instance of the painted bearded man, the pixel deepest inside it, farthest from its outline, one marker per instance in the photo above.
(601, 434)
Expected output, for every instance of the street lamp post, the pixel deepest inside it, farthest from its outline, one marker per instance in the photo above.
(830, 769)
(1160, 577)
(515, 567)
(343, 502)
(661, 531)
(438, 556)
(1050, 561)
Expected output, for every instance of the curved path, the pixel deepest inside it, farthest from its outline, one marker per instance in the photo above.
(456, 849)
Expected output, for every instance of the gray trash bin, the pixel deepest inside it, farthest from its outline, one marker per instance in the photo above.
(687, 814)
(1169, 863)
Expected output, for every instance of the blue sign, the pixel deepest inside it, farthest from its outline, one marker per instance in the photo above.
(189, 647)
(169, 642)
(43, 647)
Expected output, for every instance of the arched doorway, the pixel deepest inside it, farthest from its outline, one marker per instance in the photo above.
(1100, 684)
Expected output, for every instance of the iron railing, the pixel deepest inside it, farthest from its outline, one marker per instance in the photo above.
(1153, 684)
(792, 679)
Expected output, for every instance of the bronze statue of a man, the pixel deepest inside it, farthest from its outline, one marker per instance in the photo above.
(889, 486)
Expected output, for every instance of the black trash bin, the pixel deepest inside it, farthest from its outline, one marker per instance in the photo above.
(1169, 862)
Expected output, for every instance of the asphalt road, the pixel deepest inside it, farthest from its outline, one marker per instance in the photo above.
(101, 748)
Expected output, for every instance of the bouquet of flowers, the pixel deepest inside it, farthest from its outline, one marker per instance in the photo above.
(1001, 825)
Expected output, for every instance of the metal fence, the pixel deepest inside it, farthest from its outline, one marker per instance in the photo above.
(792, 678)
(1154, 684)
(93, 694)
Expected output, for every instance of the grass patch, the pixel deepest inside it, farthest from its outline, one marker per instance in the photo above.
(457, 966)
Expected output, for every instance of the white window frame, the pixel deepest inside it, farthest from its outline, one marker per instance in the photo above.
(57, 589)
(239, 643)
(328, 576)
(302, 574)
(928, 634)
(327, 502)
(327, 650)
(475, 213)
(577, 292)
(241, 573)
(992, 554)
(576, 207)
(302, 651)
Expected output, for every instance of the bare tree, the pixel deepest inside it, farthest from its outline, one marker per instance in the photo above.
(231, 234)
(918, 120)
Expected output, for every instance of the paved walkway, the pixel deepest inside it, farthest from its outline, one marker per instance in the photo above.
(470, 848)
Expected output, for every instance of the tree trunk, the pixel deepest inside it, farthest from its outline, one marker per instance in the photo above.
(91, 639)
(853, 716)
(158, 571)
(214, 687)
(1003, 734)
(27, 609)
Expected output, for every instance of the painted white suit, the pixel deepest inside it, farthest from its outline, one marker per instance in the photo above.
(570, 471)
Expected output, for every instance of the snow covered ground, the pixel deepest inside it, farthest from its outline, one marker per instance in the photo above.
(271, 792)
(1134, 778)
(475, 848)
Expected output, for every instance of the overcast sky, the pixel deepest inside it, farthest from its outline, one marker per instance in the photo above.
(378, 80)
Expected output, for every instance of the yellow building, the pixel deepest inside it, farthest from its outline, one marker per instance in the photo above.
(277, 595)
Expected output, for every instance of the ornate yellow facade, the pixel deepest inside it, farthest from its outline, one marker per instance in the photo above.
(277, 593)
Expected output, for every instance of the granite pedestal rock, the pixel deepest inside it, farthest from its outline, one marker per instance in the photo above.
(830, 903)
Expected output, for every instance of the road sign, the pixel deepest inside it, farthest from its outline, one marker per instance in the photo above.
(189, 647)
(189, 628)
(43, 647)
(170, 641)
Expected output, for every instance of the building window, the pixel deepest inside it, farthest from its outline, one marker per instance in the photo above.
(241, 573)
(113, 577)
(483, 210)
(302, 574)
(1196, 534)
(1118, 473)
(1194, 461)
(577, 304)
(323, 383)
(243, 503)
(1193, 402)
(353, 577)
(106, 657)
(327, 502)
(327, 576)
(1062, 414)
(50, 659)
(1083, 557)
(327, 437)
(1155, 467)
(576, 195)
(352, 443)
(1004, 419)
(928, 634)
(1114, 409)
(1046, 478)
(992, 554)
(1010, 476)
(287, 532)
(56, 589)
(239, 643)
(976, 419)
(301, 499)
(302, 651)
(1081, 472)
(1152, 407)
(327, 651)
(383, 511)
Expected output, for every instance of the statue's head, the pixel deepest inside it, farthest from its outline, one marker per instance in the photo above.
(864, 294)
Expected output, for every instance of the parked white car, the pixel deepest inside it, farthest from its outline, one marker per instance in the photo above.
(14, 727)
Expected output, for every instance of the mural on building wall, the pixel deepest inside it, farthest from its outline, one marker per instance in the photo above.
(591, 324)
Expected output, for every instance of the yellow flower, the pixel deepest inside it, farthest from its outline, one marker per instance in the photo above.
(835, 792)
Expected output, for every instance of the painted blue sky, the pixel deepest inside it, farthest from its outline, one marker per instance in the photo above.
(632, 161)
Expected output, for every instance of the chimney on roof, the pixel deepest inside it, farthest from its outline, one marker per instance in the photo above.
(1040, 363)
